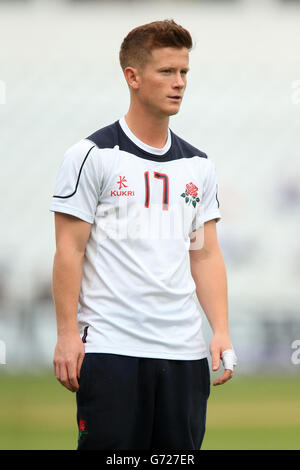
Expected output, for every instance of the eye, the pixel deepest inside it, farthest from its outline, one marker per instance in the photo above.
(166, 71)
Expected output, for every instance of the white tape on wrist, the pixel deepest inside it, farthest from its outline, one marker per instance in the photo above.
(229, 359)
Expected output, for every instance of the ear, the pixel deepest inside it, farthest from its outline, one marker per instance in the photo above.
(132, 77)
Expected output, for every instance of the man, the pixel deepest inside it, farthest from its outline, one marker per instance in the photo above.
(131, 203)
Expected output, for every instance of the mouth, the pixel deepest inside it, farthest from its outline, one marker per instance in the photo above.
(176, 98)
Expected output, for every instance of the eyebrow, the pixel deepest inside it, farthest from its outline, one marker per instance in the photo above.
(173, 68)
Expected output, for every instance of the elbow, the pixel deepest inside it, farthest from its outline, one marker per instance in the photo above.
(197, 256)
(64, 252)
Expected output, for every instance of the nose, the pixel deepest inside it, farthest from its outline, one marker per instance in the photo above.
(179, 82)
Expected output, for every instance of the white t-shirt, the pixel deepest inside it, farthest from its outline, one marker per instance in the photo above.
(137, 293)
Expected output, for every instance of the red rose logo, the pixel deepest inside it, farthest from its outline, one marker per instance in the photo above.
(82, 424)
(192, 190)
(191, 194)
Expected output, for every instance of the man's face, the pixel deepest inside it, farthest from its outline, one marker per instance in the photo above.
(162, 81)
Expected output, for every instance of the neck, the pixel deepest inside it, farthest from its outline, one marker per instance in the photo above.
(150, 129)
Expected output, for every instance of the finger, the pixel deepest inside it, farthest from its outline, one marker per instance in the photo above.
(57, 372)
(79, 364)
(227, 375)
(64, 378)
(72, 375)
(215, 360)
(229, 359)
(55, 369)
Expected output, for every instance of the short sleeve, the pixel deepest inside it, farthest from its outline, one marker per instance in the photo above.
(78, 183)
(208, 208)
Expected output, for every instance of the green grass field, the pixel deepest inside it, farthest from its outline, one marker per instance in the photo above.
(36, 412)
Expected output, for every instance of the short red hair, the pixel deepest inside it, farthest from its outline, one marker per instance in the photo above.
(137, 46)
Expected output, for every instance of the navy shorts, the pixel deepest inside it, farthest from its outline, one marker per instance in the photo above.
(126, 403)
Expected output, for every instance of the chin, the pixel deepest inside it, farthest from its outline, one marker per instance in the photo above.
(171, 111)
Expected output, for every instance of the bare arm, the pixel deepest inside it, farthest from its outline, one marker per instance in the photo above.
(209, 274)
(71, 238)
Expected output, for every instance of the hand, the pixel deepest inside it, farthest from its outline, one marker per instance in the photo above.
(219, 344)
(67, 361)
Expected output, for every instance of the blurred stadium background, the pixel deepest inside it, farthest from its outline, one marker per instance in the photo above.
(60, 80)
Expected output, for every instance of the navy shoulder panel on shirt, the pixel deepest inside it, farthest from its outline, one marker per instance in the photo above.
(183, 149)
(104, 138)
